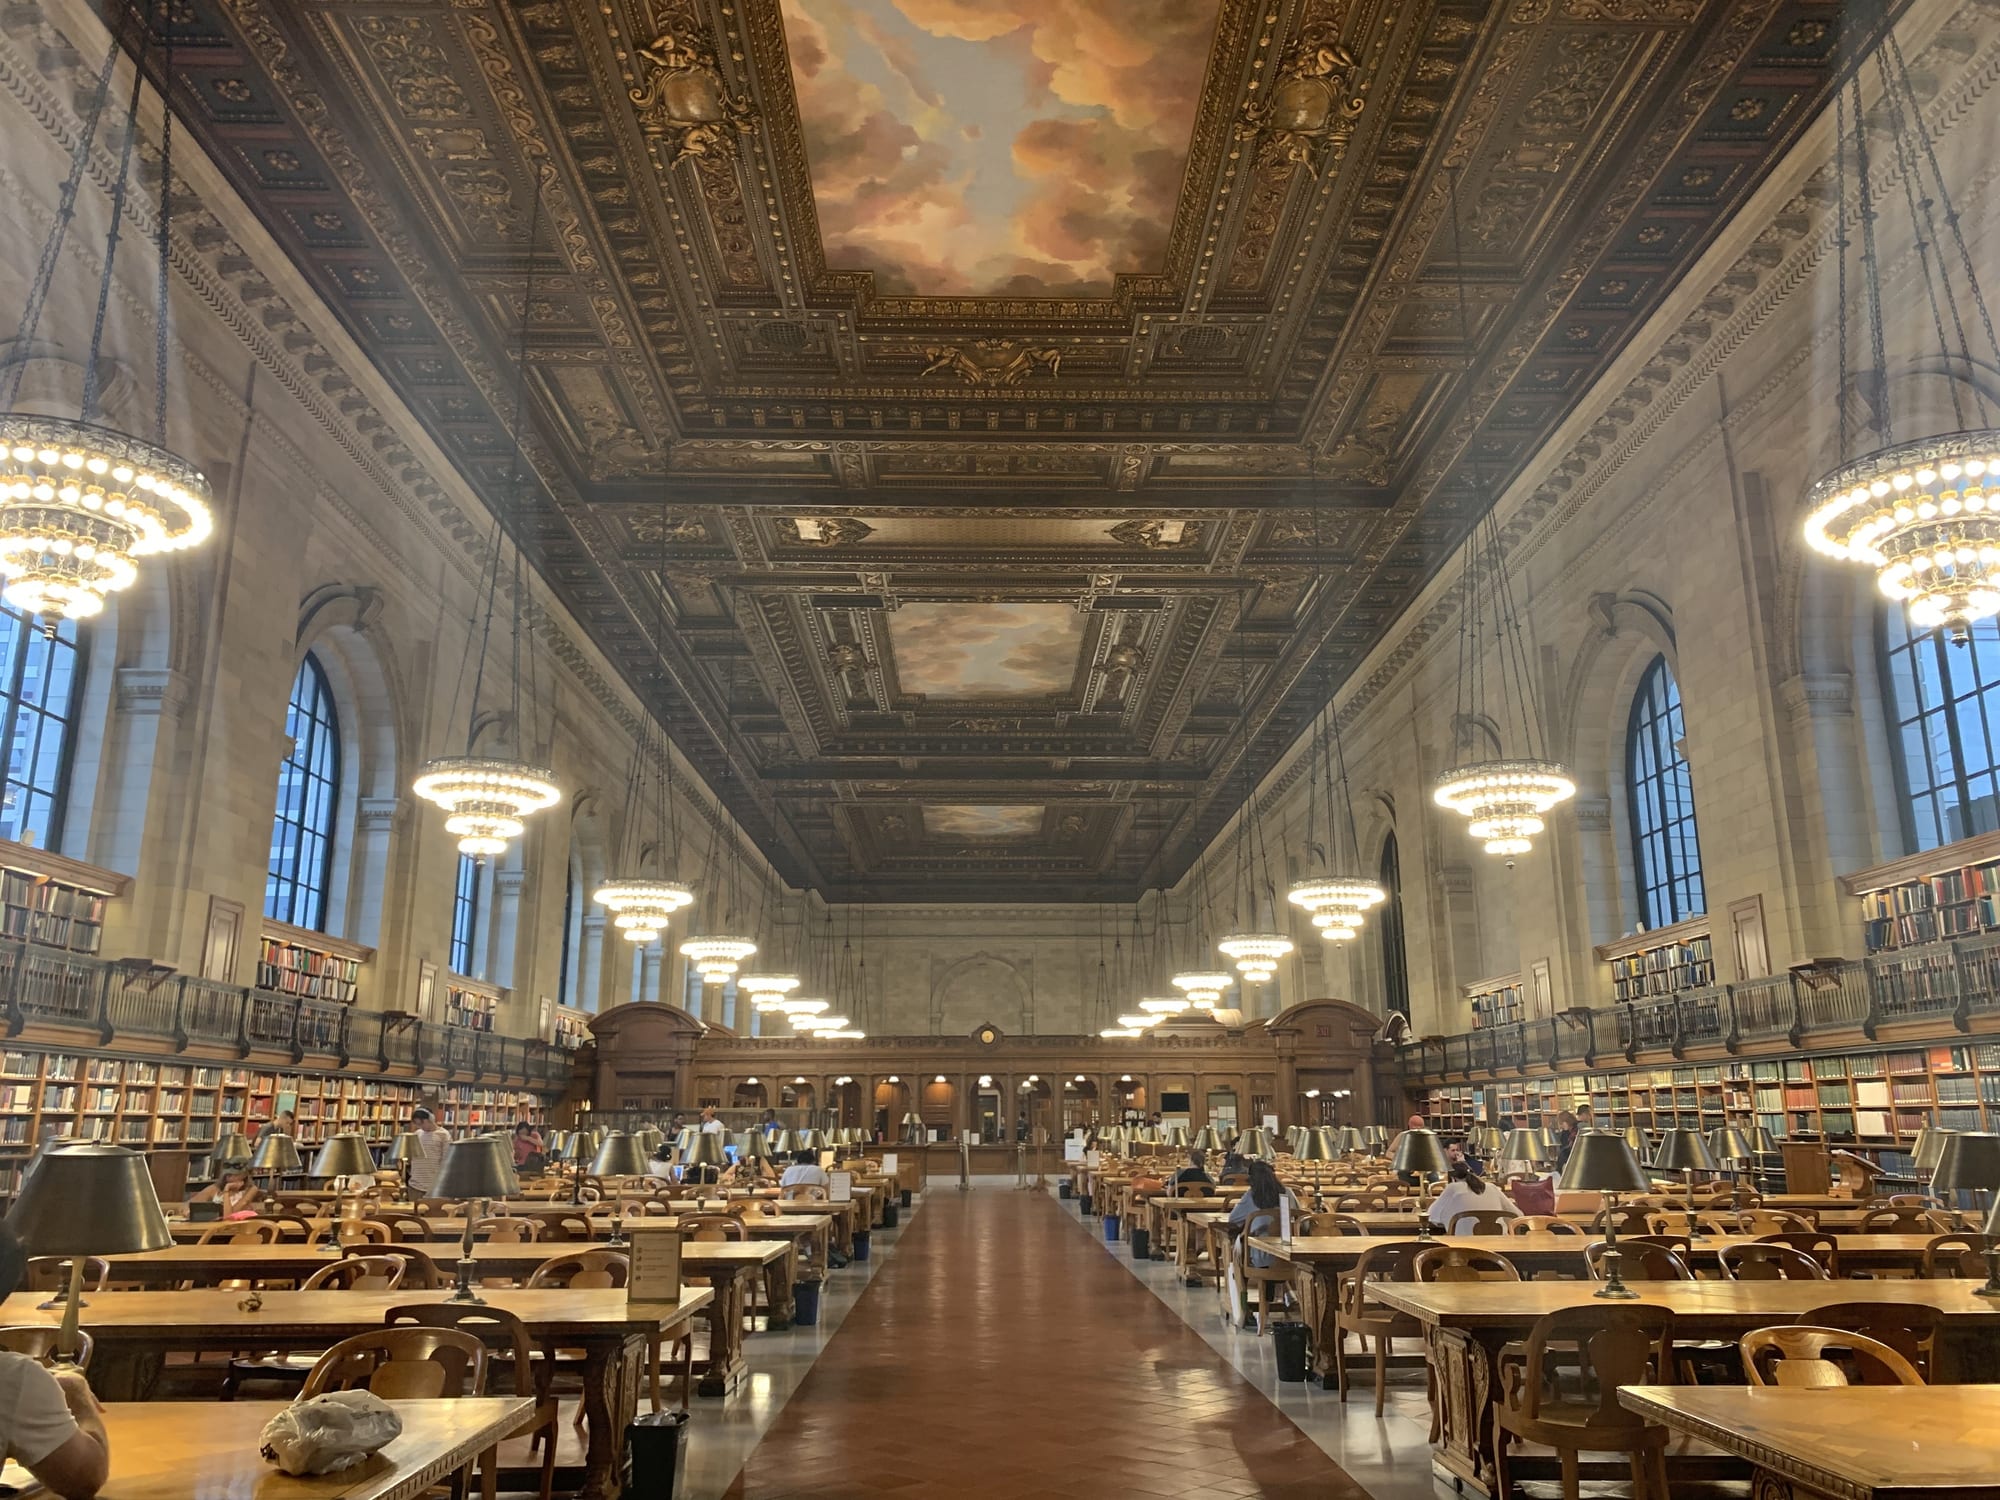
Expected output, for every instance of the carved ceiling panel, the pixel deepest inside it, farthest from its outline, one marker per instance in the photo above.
(936, 407)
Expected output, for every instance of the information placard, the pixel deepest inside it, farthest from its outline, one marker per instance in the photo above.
(655, 1271)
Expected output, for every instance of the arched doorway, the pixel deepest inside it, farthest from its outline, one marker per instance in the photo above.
(749, 1093)
(844, 1100)
(797, 1093)
(891, 1102)
(1080, 1104)
(938, 1105)
(1034, 1108)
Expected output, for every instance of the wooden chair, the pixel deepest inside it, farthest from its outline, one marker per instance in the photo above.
(1951, 1257)
(713, 1228)
(1911, 1329)
(508, 1345)
(1480, 1221)
(1626, 1344)
(1796, 1355)
(38, 1342)
(506, 1230)
(1355, 1314)
(1637, 1261)
(359, 1273)
(50, 1273)
(1767, 1262)
(1630, 1218)
(1363, 1203)
(348, 1232)
(564, 1228)
(407, 1227)
(1903, 1219)
(240, 1232)
(1824, 1248)
(1673, 1223)
(1462, 1263)
(581, 1269)
(420, 1272)
(802, 1192)
(1261, 1279)
(1765, 1222)
(1193, 1189)
(1331, 1225)
(1543, 1224)
(402, 1364)
(307, 1229)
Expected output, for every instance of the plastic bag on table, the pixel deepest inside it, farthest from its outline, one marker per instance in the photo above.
(329, 1433)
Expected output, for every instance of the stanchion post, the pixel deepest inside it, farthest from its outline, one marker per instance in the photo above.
(964, 1165)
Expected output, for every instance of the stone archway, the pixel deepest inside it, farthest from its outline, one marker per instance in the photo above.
(983, 987)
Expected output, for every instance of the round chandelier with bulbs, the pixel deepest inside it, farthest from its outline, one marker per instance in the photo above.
(806, 1007)
(1255, 954)
(1503, 800)
(486, 798)
(1926, 517)
(717, 959)
(641, 909)
(1139, 1022)
(1204, 988)
(766, 991)
(1338, 904)
(80, 503)
(1120, 1033)
(1162, 1006)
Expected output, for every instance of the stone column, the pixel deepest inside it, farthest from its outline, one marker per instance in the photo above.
(506, 942)
(653, 961)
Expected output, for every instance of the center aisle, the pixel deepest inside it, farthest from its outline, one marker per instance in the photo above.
(1002, 1353)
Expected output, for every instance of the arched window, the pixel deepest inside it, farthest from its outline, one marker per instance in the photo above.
(1666, 855)
(465, 902)
(1944, 705)
(1395, 961)
(38, 696)
(565, 979)
(301, 864)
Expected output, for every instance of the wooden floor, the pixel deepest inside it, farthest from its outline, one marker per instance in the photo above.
(999, 1354)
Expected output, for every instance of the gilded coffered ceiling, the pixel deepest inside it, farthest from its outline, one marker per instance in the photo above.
(956, 417)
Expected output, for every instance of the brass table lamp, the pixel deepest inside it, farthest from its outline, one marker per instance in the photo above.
(1208, 1138)
(278, 1154)
(87, 1200)
(1255, 1143)
(1176, 1136)
(1684, 1151)
(706, 1158)
(1969, 1162)
(1350, 1139)
(621, 1155)
(403, 1150)
(473, 1170)
(582, 1151)
(343, 1157)
(231, 1149)
(1636, 1139)
(1419, 1153)
(1524, 1146)
(1731, 1149)
(1604, 1163)
(1318, 1145)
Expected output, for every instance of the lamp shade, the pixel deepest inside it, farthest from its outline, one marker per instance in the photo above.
(1349, 1139)
(1256, 1144)
(554, 1143)
(89, 1200)
(1683, 1151)
(1602, 1163)
(684, 1139)
(1991, 1229)
(472, 1168)
(1174, 1135)
(1378, 1135)
(276, 1152)
(404, 1149)
(755, 1145)
(1317, 1145)
(1762, 1142)
(1726, 1143)
(344, 1155)
(582, 1147)
(911, 1117)
(1969, 1160)
(1523, 1146)
(231, 1147)
(1486, 1138)
(707, 1151)
(1930, 1146)
(1636, 1139)
(650, 1140)
(621, 1155)
(1419, 1151)
(780, 1142)
(809, 1140)
(1208, 1138)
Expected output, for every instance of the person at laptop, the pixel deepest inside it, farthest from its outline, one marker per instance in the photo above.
(805, 1170)
(50, 1422)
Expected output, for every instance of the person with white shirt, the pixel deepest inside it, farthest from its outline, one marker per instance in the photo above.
(805, 1170)
(710, 1125)
(423, 1168)
(1466, 1192)
(50, 1423)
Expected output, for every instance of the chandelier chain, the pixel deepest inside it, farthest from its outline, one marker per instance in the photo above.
(162, 226)
(1885, 420)
(1923, 230)
(1845, 390)
(92, 381)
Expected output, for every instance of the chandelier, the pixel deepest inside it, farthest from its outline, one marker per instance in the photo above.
(1140, 1022)
(1925, 514)
(1119, 1033)
(849, 1035)
(716, 958)
(1256, 954)
(485, 798)
(801, 1007)
(80, 502)
(1162, 1006)
(1502, 798)
(641, 909)
(819, 1023)
(1203, 988)
(1338, 905)
(766, 991)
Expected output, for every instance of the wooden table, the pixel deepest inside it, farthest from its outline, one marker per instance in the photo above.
(1467, 1323)
(1869, 1442)
(207, 1450)
(135, 1331)
(1531, 1253)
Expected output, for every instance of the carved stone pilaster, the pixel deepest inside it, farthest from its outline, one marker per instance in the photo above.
(1817, 695)
(152, 690)
(1593, 814)
(379, 814)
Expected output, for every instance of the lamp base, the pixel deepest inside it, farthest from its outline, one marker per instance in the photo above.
(461, 1291)
(1616, 1289)
(1992, 1287)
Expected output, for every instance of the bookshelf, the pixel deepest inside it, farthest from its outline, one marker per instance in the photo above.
(53, 901)
(151, 1104)
(1948, 892)
(470, 1004)
(296, 961)
(1649, 965)
(1495, 1002)
(572, 1027)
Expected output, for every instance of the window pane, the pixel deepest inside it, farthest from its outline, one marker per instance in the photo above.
(465, 916)
(302, 828)
(1944, 699)
(38, 680)
(1666, 854)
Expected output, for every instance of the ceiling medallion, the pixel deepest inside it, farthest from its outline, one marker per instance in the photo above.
(642, 908)
(716, 958)
(684, 101)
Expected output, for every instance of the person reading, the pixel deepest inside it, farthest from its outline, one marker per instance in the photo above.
(1195, 1171)
(50, 1422)
(1469, 1190)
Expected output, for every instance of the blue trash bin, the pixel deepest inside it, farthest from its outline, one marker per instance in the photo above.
(805, 1304)
(1111, 1229)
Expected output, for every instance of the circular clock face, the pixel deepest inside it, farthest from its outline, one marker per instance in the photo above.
(988, 1035)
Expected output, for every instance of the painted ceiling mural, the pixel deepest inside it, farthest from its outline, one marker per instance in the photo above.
(985, 650)
(980, 821)
(1012, 147)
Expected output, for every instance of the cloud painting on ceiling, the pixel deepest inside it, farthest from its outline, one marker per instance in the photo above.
(985, 650)
(959, 820)
(997, 147)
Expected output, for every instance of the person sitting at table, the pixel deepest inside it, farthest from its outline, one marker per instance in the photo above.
(234, 1190)
(1196, 1170)
(1235, 1167)
(1467, 1191)
(805, 1168)
(528, 1154)
(50, 1423)
(1265, 1193)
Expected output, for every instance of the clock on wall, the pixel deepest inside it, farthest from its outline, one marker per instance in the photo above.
(986, 1036)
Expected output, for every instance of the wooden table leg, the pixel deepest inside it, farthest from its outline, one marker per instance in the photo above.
(1464, 1381)
(612, 1377)
(725, 1334)
(778, 1289)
